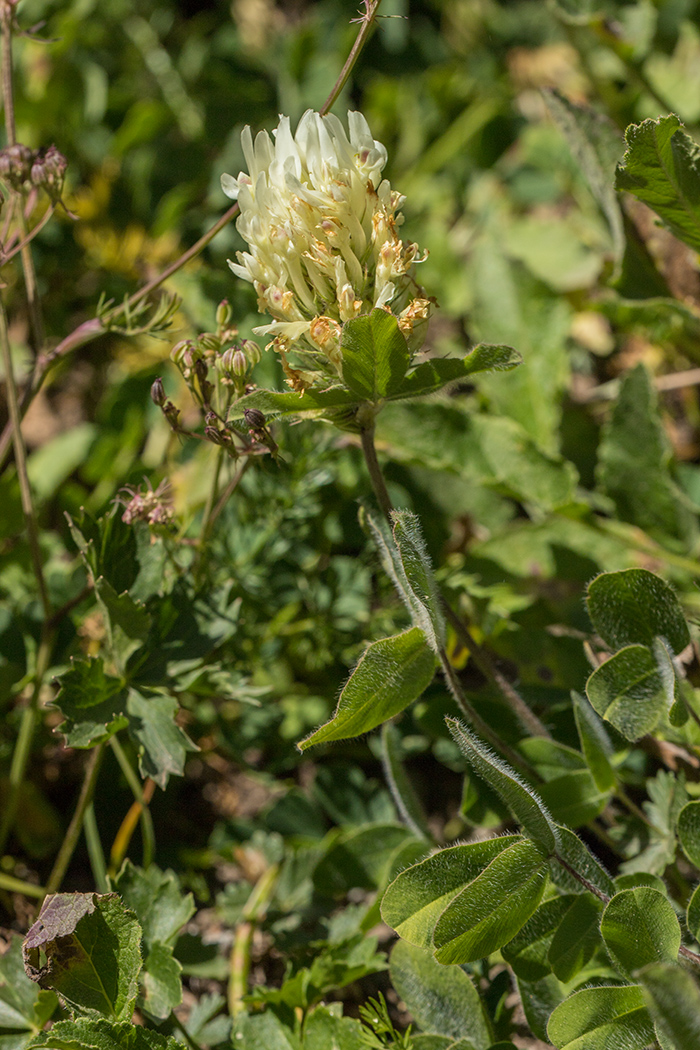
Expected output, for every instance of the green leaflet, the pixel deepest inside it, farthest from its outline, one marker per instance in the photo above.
(630, 691)
(520, 798)
(692, 915)
(374, 354)
(491, 909)
(162, 745)
(91, 943)
(595, 744)
(689, 831)
(662, 168)
(577, 937)
(442, 999)
(24, 1008)
(85, 1034)
(634, 607)
(528, 952)
(639, 926)
(414, 901)
(577, 855)
(602, 1018)
(391, 674)
(673, 998)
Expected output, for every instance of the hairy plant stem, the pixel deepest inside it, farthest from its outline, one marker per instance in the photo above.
(147, 832)
(253, 912)
(522, 712)
(367, 21)
(87, 791)
(30, 282)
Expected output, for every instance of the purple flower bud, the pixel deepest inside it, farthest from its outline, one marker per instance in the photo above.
(16, 164)
(49, 170)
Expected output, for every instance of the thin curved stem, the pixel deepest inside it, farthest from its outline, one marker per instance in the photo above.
(367, 20)
(87, 791)
(147, 830)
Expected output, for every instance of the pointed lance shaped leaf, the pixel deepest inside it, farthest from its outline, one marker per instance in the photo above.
(633, 607)
(416, 898)
(419, 572)
(630, 691)
(375, 355)
(285, 404)
(491, 909)
(91, 944)
(436, 373)
(639, 926)
(441, 999)
(391, 674)
(673, 998)
(602, 1018)
(595, 743)
(520, 798)
(409, 588)
(661, 167)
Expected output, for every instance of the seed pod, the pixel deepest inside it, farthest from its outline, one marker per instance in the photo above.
(223, 313)
(251, 350)
(254, 418)
(239, 364)
(158, 392)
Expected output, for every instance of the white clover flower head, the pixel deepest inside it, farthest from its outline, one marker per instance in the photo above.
(321, 227)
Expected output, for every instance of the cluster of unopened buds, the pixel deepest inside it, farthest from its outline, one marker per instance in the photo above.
(44, 169)
(216, 368)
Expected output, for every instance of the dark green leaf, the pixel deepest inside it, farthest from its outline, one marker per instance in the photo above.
(23, 1007)
(577, 855)
(390, 675)
(162, 745)
(630, 691)
(491, 909)
(634, 607)
(289, 405)
(573, 798)
(324, 1030)
(360, 858)
(528, 952)
(639, 926)
(518, 796)
(602, 1018)
(442, 999)
(127, 621)
(577, 938)
(375, 355)
(673, 998)
(415, 900)
(91, 943)
(661, 167)
(435, 374)
(92, 703)
(689, 831)
(594, 742)
(402, 790)
(162, 982)
(692, 914)
(636, 474)
(155, 896)
(85, 1034)
(263, 1032)
(539, 999)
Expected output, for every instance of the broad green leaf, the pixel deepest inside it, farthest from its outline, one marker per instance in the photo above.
(391, 674)
(673, 998)
(573, 798)
(375, 355)
(602, 1018)
(434, 374)
(689, 831)
(639, 926)
(539, 998)
(595, 743)
(442, 999)
(155, 896)
(403, 791)
(596, 145)
(519, 797)
(419, 572)
(92, 702)
(324, 1030)
(84, 1034)
(263, 1032)
(528, 952)
(91, 943)
(24, 1008)
(289, 405)
(414, 901)
(636, 474)
(360, 858)
(162, 981)
(578, 857)
(161, 744)
(577, 938)
(661, 167)
(692, 915)
(639, 878)
(634, 607)
(491, 909)
(126, 620)
(630, 691)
